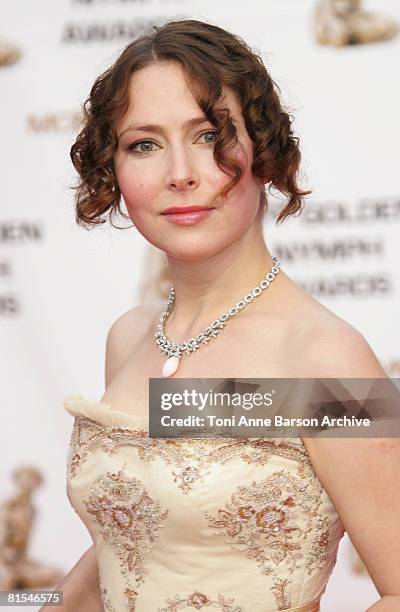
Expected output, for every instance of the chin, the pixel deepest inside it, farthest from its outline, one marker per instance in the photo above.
(190, 255)
(192, 250)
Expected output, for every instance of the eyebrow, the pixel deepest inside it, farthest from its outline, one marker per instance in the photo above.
(158, 128)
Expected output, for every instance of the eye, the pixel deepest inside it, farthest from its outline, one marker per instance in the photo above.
(213, 133)
(143, 147)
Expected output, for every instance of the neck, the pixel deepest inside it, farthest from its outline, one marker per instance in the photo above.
(205, 289)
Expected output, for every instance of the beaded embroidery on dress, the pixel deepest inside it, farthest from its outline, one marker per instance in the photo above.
(236, 525)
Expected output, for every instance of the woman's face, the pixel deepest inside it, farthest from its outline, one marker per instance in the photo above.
(165, 160)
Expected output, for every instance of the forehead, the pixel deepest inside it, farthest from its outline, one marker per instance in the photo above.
(160, 91)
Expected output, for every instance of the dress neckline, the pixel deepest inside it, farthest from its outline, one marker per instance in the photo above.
(102, 412)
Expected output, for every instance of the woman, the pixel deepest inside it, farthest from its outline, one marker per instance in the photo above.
(187, 127)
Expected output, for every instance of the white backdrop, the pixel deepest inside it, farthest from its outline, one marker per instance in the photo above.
(61, 287)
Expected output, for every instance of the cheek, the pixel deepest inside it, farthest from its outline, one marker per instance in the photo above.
(244, 203)
(136, 188)
(245, 194)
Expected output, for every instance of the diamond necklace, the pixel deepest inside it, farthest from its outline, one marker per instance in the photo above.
(174, 350)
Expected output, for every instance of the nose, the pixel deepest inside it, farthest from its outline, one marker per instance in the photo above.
(182, 174)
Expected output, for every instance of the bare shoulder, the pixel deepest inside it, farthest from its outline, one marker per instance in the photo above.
(125, 334)
(331, 347)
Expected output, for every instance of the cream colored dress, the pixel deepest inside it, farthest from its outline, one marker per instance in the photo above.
(229, 525)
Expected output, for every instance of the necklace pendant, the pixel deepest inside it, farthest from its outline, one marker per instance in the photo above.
(170, 366)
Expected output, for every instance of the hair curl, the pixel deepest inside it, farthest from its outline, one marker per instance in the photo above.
(211, 58)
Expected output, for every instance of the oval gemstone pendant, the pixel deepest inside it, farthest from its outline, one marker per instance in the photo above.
(170, 366)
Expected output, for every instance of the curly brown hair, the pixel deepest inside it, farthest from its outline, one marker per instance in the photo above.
(211, 58)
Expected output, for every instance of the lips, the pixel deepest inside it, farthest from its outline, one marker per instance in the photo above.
(187, 215)
(181, 210)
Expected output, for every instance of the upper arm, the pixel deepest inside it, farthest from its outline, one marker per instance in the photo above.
(360, 476)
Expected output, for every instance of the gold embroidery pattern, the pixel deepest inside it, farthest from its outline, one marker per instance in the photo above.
(108, 607)
(279, 589)
(190, 457)
(130, 599)
(198, 601)
(264, 519)
(305, 470)
(187, 476)
(129, 519)
(88, 436)
(271, 520)
(319, 551)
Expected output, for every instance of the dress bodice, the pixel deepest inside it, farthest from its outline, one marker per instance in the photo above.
(232, 525)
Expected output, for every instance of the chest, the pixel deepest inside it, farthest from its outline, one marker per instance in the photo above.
(237, 353)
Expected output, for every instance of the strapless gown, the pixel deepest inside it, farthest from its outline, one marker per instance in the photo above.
(228, 525)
